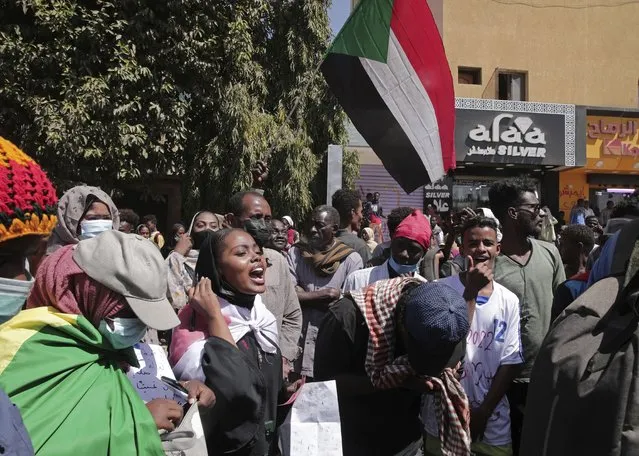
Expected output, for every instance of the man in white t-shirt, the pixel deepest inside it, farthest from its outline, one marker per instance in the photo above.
(493, 351)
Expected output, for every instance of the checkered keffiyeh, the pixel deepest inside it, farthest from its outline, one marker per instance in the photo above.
(377, 302)
(453, 414)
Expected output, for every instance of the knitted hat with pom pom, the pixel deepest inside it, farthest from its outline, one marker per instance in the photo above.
(27, 197)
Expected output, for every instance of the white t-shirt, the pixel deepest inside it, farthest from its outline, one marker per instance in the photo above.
(357, 280)
(493, 340)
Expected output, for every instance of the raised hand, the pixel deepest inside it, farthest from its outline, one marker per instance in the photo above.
(259, 173)
(203, 300)
(477, 277)
(184, 245)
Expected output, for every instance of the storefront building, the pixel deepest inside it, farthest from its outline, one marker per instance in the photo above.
(611, 170)
(496, 139)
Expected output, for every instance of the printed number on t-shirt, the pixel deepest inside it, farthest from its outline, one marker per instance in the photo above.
(481, 339)
(500, 330)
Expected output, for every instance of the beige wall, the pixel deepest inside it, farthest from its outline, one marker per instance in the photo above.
(584, 56)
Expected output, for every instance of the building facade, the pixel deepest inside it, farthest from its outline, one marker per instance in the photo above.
(529, 64)
(558, 51)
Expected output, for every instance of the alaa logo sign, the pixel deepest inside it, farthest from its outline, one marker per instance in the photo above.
(508, 135)
(515, 132)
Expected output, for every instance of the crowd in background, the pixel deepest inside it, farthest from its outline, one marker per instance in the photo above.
(431, 333)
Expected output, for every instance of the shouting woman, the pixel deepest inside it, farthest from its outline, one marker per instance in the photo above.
(229, 339)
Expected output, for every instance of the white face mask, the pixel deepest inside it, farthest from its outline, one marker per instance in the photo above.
(13, 294)
(91, 228)
(126, 332)
(402, 269)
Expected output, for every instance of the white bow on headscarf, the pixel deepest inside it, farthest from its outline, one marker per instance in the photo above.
(241, 321)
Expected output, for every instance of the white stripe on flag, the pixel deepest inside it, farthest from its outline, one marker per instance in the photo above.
(407, 99)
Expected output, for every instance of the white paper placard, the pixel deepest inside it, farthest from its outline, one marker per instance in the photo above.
(146, 379)
(312, 428)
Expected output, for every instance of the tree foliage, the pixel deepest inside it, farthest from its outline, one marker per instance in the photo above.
(111, 93)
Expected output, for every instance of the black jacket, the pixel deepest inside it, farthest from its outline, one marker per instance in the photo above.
(246, 382)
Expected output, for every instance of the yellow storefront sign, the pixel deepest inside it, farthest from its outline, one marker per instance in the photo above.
(612, 144)
(612, 147)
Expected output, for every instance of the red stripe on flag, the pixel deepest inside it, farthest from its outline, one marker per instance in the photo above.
(417, 33)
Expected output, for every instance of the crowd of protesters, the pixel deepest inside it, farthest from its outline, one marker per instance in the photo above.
(431, 335)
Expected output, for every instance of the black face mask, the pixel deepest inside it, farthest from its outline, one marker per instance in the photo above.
(259, 229)
(199, 237)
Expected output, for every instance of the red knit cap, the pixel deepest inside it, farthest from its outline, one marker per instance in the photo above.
(415, 227)
(27, 197)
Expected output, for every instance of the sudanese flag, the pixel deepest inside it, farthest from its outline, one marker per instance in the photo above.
(75, 390)
(389, 71)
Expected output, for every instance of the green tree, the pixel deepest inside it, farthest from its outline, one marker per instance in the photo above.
(111, 93)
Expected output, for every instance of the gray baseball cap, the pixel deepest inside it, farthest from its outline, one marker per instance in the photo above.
(131, 266)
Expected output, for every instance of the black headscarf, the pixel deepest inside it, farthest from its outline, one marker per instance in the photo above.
(207, 267)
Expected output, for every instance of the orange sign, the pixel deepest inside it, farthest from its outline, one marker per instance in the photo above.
(612, 144)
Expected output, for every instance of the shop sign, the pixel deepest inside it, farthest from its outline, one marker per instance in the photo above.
(516, 135)
(614, 137)
(498, 131)
(439, 195)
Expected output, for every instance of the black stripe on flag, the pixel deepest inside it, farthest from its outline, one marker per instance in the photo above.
(369, 113)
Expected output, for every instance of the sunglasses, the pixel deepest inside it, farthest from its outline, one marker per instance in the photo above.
(535, 208)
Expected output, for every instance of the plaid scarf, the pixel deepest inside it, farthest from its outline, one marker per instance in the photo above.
(327, 262)
(453, 414)
(377, 302)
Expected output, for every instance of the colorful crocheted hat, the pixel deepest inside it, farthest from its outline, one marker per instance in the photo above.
(27, 197)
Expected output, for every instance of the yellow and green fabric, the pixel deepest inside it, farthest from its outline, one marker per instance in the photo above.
(73, 396)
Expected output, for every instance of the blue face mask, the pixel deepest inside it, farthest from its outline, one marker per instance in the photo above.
(126, 332)
(402, 269)
(91, 228)
(13, 294)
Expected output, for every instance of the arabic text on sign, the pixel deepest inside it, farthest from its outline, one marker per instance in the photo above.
(514, 151)
(621, 129)
(440, 205)
(571, 193)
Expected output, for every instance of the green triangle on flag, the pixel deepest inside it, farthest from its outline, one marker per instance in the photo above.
(366, 31)
(388, 69)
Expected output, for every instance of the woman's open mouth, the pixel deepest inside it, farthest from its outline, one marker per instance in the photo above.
(257, 275)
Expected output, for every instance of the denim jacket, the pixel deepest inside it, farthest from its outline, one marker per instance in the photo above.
(14, 439)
